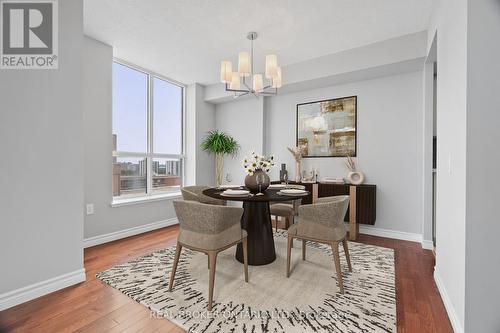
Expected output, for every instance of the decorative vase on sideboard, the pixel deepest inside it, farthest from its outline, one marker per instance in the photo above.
(283, 173)
(356, 177)
(251, 181)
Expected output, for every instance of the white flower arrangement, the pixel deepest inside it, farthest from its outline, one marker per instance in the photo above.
(257, 162)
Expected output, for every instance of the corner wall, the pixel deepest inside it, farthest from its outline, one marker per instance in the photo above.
(450, 23)
(205, 122)
(41, 190)
(482, 290)
(200, 119)
(244, 121)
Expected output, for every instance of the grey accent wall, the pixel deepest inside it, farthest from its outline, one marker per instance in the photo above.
(41, 140)
(97, 124)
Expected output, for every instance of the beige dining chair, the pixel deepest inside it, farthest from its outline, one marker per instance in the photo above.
(209, 229)
(195, 193)
(286, 210)
(322, 222)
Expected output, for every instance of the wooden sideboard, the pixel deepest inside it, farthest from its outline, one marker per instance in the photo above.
(362, 204)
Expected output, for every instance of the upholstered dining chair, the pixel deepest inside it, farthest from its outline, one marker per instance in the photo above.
(322, 222)
(286, 210)
(209, 229)
(195, 193)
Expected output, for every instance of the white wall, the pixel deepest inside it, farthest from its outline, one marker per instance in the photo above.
(390, 138)
(482, 292)
(205, 122)
(467, 264)
(389, 129)
(97, 112)
(41, 192)
(244, 121)
(450, 22)
(200, 119)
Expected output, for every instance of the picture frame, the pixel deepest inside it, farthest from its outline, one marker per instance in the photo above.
(327, 128)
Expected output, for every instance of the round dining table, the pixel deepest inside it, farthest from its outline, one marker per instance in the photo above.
(256, 220)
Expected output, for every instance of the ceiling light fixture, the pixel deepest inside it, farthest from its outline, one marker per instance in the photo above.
(244, 81)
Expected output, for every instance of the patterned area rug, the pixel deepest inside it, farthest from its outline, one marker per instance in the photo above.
(308, 301)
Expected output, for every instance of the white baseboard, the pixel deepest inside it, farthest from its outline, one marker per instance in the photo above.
(39, 289)
(427, 245)
(402, 235)
(452, 314)
(101, 239)
(373, 231)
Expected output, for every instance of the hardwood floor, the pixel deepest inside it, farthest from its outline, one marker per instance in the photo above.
(94, 307)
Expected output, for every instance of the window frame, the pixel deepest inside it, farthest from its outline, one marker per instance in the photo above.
(149, 155)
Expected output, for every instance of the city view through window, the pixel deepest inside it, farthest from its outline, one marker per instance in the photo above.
(147, 136)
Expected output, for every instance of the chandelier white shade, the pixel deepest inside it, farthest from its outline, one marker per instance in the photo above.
(226, 71)
(271, 66)
(258, 83)
(276, 81)
(235, 81)
(244, 64)
(245, 81)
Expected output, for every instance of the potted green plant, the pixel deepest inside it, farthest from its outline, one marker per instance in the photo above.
(219, 144)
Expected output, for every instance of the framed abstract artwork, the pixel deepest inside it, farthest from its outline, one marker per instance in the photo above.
(327, 128)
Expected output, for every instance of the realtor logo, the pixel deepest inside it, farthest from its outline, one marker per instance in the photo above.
(29, 37)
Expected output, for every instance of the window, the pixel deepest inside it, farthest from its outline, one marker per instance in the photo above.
(147, 134)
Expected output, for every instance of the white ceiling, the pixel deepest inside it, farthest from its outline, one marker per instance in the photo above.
(186, 39)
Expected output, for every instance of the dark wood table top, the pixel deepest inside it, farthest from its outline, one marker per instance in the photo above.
(269, 195)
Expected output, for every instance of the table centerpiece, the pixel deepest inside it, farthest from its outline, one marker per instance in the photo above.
(256, 167)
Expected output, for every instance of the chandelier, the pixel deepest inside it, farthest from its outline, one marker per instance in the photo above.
(245, 81)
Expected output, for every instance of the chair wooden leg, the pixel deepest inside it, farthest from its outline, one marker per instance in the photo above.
(346, 252)
(245, 258)
(212, 257)
(276, 222)
(303, 249)
(178, 249)
(336, 258)
(288, 255)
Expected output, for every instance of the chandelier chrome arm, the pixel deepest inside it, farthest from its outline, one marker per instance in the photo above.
(246, 84)
(264, 92)
(236, 90)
